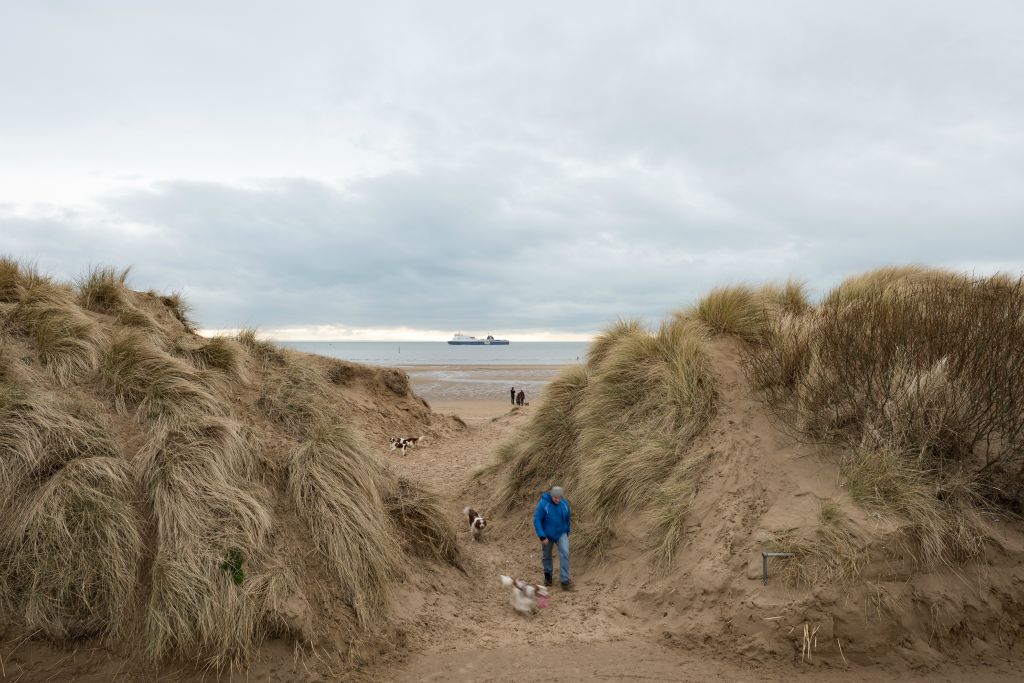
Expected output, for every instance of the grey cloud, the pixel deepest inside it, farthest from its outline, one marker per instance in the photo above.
(522, 166)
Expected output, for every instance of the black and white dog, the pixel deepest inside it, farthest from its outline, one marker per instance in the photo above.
(477, 523)
(403, 442)
(526, 597)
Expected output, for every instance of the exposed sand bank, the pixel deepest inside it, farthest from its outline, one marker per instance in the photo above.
(478, 393)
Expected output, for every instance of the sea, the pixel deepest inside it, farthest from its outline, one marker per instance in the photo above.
(405, 354)
(442, 372)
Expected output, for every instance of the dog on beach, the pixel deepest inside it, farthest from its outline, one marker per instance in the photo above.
(527, 598)
(403, 442)
(477, 523)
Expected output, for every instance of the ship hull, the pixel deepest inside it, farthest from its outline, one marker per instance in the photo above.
(480, 342)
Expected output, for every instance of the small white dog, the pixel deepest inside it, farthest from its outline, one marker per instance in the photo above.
(527, 598)
(477, 523)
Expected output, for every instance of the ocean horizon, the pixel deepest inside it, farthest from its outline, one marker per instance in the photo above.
(405, 354)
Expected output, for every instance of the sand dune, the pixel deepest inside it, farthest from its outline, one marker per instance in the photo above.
(185, 507)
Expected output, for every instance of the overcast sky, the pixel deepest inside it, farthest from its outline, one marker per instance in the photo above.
(386, 169)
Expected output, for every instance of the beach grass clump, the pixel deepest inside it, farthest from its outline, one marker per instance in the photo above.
(145, 380)
(420, 520)
(70, 555)
(179, 307)
(336, 489)
(651, 395)
(618, 432)
(941, 520)
(888, 278)
(672, 501)
(933, 368)
(66, 339)
(262, 350)
(207, 514)
(396, 381)
(16, 276)
(735, 310)
(779, 365)
(916, 372)
(102, 289)
(130, 316)
(39, 436)
(831, 554)
(296, 399)
(609, 337)
(788, 298)
(344, 373)
(219, 353)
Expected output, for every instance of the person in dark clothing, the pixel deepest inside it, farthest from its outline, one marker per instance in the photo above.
(521, 397)
(512, 391)
(551, 522)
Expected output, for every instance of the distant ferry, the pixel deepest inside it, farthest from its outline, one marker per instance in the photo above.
(465, 340)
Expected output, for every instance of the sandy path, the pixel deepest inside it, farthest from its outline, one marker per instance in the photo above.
(585, 635)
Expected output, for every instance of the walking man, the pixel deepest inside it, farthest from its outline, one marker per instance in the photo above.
(512, 391)
(551, 522)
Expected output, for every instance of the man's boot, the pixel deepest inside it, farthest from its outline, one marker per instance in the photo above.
(547, 579)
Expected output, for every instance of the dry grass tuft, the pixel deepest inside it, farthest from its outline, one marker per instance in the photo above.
(129, 316)
(918, 372)
(673, 500)
(70, 556)
(103, 289)
(940, 517)
(736, 310)
(39, 437)
(653, 394)
(609, 337)
(833, 555)
(16, 276)
(335, 487)
(395, 381)
(418, 516)
(789, 298)
(263, 351)
(141, 376)
(296, 399)
(65, 338)
(343, 373)
(779, 365)
(179, 308)
(212, 532)
(888, 278)
(216, 353)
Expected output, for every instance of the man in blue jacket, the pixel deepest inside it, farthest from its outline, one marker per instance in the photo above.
(551, 522)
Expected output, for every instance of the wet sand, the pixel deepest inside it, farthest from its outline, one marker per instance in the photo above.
(478, 393)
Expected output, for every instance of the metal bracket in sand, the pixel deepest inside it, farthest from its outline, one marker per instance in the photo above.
(764, 560)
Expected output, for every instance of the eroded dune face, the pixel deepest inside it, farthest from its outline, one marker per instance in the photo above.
(862, 435)
(181, 499)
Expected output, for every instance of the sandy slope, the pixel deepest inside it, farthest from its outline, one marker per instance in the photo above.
(462, 629)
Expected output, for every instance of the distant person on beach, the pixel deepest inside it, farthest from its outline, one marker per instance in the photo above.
(520, 397)
(512, 391)
(551, 522)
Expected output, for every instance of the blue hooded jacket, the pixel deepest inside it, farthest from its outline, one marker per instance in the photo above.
(550, 520)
